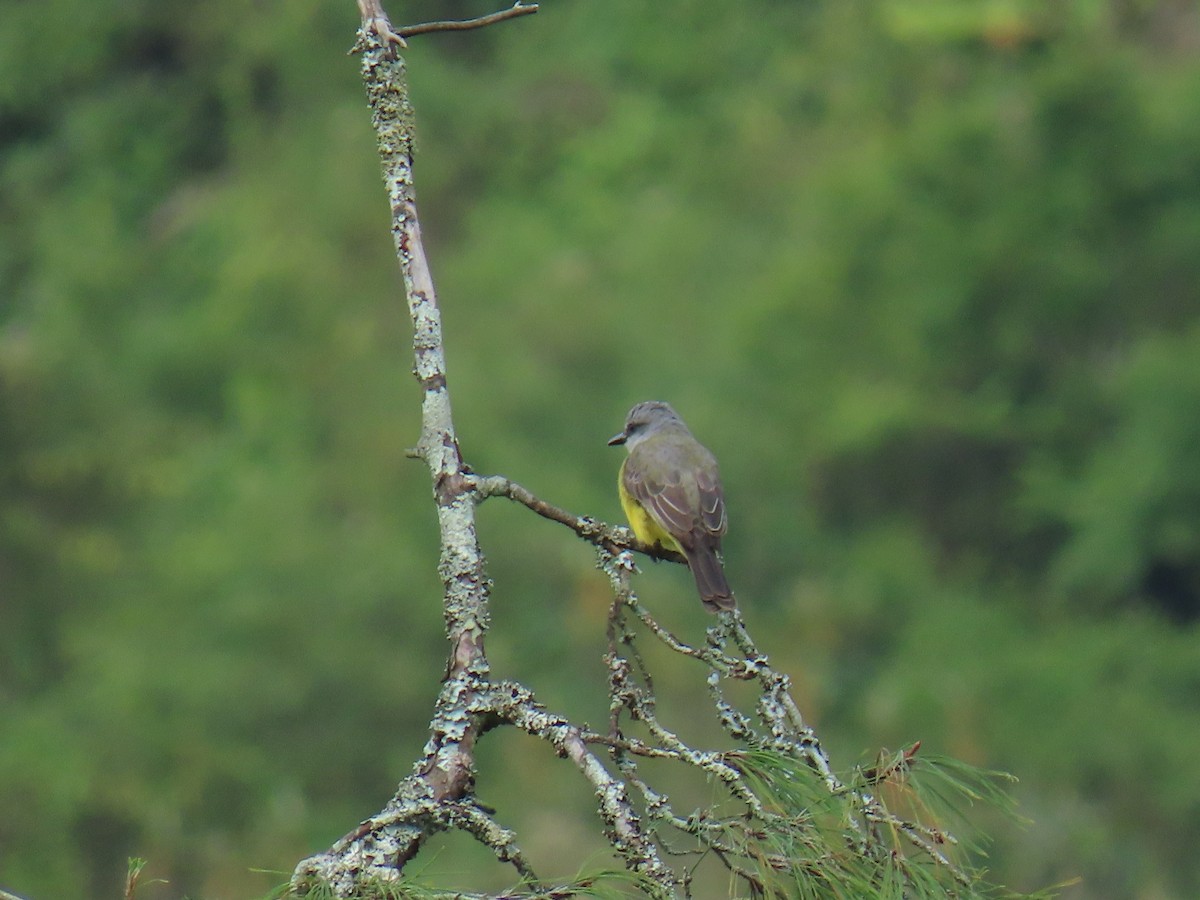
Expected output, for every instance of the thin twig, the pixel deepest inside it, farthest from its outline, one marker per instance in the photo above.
(607, 537)
(885, 770)
(472, 818)
(512, 12)
(630, 745)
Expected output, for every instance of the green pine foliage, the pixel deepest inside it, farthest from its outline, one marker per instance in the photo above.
(923, 276)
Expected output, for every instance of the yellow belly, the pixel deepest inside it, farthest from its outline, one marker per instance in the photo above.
(644, 527)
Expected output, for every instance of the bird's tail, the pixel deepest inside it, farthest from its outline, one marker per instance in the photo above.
(706, 568)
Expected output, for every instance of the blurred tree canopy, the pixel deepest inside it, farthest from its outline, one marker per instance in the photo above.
(924, 276)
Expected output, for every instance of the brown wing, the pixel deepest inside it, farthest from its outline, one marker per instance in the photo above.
(687, 506)
(690, 506)
(712, 502)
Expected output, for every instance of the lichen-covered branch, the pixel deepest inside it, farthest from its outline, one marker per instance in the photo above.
(776, 736)
(782, 823)
(437, 793)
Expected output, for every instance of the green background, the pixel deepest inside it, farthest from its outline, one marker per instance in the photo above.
(925, 276)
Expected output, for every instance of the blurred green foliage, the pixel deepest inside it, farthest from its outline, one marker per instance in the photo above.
(925, 277)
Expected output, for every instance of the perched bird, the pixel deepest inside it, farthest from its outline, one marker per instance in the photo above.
(670, 489)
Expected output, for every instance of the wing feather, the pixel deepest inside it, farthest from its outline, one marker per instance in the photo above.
(669, 501)
(712, 503)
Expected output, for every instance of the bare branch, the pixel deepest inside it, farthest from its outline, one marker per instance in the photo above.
(743, 827)
(517, 9)
(433, 797)
(611, 539)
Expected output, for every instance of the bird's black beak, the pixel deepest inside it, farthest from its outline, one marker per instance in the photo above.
(618, 439)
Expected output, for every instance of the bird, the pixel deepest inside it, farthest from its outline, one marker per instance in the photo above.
(670, 489)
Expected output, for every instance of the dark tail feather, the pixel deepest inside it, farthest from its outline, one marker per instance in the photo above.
(710, 579)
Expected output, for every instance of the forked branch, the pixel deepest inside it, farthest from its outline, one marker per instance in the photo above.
(783, 822)
(375, 21)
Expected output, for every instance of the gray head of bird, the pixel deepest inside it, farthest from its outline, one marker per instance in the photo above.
(645, 419)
